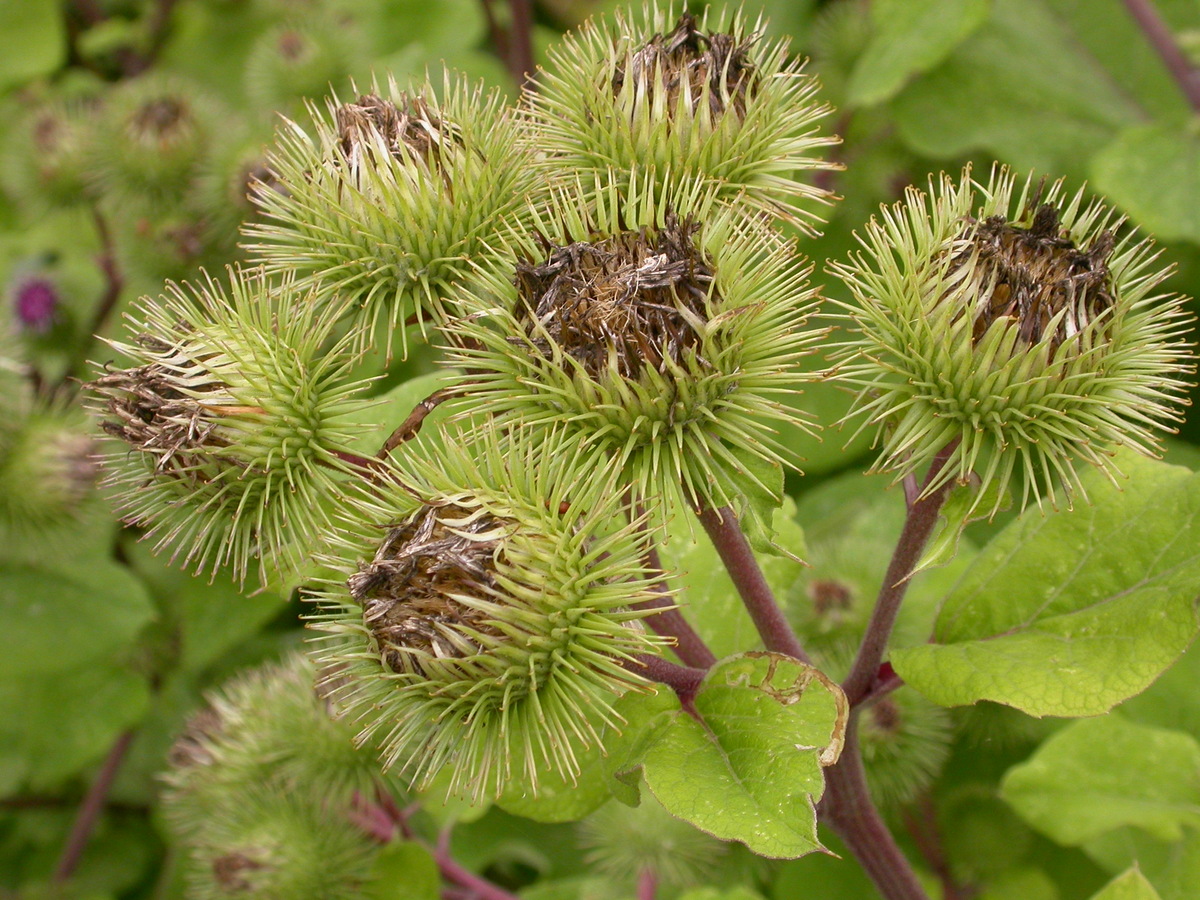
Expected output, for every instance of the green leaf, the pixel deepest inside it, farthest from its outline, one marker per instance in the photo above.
(1069, 613)
(1020, 884)
(646, 715)
(1132, 885)
(1042, 84)
(1153, 173)
(210, 618)
(712, 893)
(559, 799)
(1100, 774)
(403, 871)
(33, 40)
(910, 36)
(58, 618)
(441, 28)
(750, 770)
(52, 727)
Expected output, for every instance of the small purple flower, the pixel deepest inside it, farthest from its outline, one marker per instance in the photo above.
(36, 303)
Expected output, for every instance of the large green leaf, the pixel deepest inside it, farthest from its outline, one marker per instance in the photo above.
(1042, 84)
(1068, 613)
(749, 769)
(403, 871)
(33, 40)
(1097, 775)
(1131, 885)
(52, 727)
(1153, 173)
(61, 618)
(910, 36)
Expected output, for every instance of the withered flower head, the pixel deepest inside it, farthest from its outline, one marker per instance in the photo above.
(382, 209)
(662, 333)
(487, 617)
(687, 98)
(1015, 328)
(231, 421)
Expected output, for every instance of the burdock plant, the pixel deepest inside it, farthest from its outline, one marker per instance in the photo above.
(508, 600)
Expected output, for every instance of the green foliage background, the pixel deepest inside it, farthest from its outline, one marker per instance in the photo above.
(99, 638)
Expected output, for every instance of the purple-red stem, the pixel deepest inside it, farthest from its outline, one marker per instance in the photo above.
(670, 622)
(647, 886)
(918, 526)
(735, 552)
(1161, 39)
(683, 680)
(90, 809)
(847, 808)
(480, 888)
(521, 43)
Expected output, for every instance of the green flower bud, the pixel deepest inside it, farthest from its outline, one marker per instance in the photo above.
(49, 157)
(48, 470)
(268, 727)
(299, 59)
(1014, 325)
(234, 419)
(486, 621)
(275, 844)
(152, 139)
(693, 98)
(622, 843)
(392, 199)
(661, 333)
(905, 741)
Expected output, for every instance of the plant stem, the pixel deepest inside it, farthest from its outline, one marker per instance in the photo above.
(848, 810)
(1161, 39)
(918, 526)
(922, 826)
(114, 283)
(90, 808)
(735, 552)
(670, 622)
(480, 888)
(647, 886)
(683, 680)
(521, 43)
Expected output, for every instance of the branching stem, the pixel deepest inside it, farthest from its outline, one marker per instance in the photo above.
(670, 622)
(735, 552)
(683, 680)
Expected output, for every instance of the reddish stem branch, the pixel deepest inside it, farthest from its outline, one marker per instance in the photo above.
(647, 886)
(918, 526)
(1161, 39)
(848, 810)
(735, 552)
(520, 45)
(90, 809)
(683, 680)
(922, 826)
(670, 622)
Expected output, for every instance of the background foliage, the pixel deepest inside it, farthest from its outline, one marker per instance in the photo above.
(105, 650)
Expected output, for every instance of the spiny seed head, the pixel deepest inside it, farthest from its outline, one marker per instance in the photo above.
(1015, 327)
(487, 616)
(48, 162)
(661, 333)
(389, 201)
(691, 98)
(232, 421)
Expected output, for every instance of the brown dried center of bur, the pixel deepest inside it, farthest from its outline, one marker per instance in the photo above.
(408, 591)
(1030, 275)
(627, 301)
(157, 119)
(152, 414)
(408, 132)
(688, 56)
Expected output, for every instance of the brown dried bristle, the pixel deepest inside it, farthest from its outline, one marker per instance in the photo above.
(688, 55)
(829, 595)
(408, 132)
(408, 591)
(885, 716)
(628, 300)
(1032, 274)
(230, 872)
(193, 747)
(155, 417)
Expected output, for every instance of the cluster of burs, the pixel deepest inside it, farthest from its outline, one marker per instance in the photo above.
(612, 273)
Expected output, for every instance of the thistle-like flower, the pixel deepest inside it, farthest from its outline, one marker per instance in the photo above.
(690, 98)
(662, 332)
(390, 201)
(233, 414)
(487, 620)
(48, 161)
(1014, 328)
